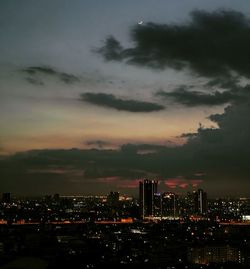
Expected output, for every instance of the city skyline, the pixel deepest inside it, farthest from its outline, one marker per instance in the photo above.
(98, 96)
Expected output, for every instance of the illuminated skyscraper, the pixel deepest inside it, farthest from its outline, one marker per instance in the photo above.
(200, 201)
(147, 191)
(169, 204)
(157, 205)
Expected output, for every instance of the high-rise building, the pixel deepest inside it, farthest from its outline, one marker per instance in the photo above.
(147, 191)
(157, 205)
(113, 199)
(200, 201)
(6, 197)
(189, 203)
(169, 204)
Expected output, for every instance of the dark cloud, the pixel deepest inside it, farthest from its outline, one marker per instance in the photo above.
(224, 82)
(111, 101)
(142, 148)
(68, 78)
(60, 166)
(211, 44)
(65, 170)
(112, 51)
(225, 149)
(36, 71)
(197, 98)
(40, 69)
(35, 81)
(98, 143)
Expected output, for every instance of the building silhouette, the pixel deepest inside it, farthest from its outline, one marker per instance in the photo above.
(113, 199)
(157, 205)
(169, 204)
(200, 201)
(6, 197)
(147, 191)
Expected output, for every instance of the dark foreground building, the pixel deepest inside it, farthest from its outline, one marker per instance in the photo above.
(147, 191)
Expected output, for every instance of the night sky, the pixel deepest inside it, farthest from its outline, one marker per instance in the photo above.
(96, 95)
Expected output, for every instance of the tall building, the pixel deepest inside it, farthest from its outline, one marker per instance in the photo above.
(147, 191)
(200, 201)
(169, 204)
(189, 204)
(113, 199)
(157, 205)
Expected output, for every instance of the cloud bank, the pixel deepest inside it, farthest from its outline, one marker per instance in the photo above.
(111, 101)
(211, 44)
(197, 98)
(36, 74)
(217, 157)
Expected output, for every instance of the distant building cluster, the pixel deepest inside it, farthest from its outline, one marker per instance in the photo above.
(214, 254)
(168, 204)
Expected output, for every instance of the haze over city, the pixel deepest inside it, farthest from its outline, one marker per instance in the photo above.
(96, 95)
